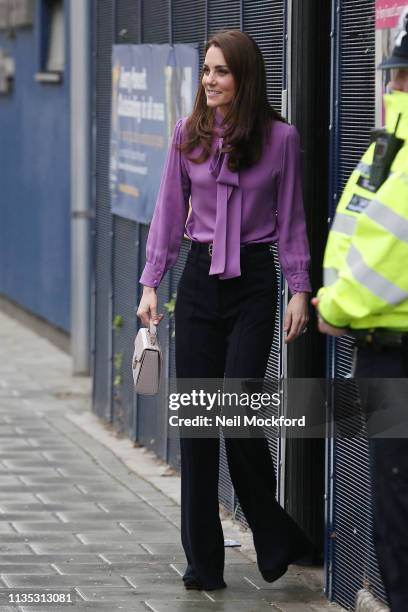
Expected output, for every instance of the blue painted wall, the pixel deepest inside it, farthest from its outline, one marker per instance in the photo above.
(35, 183)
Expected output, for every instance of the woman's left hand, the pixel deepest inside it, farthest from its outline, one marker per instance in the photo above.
(296, 316)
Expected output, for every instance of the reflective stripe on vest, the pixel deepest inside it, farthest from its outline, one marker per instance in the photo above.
(330, 275)
(373, 281)
(363, 168)
(345, 224)
(389, 219)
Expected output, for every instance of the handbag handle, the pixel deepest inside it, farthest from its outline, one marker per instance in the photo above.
(152, 332)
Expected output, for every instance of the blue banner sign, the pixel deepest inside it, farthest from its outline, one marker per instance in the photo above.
(152, 87)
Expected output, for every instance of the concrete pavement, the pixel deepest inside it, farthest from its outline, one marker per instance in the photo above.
(87, 521)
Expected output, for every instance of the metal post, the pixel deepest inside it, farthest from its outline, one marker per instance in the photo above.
(309, 101)
(80, 112)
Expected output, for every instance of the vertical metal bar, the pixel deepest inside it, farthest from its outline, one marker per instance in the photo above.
(138, 296)
(206, 25)
(111, 372)
(170, 12)
(140, 17)
(330, 361)
(81, 168)
(94, 10)
(166, 382)
(241, 15)
(286, 95)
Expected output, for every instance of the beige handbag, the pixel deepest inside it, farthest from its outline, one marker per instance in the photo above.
(147, 361)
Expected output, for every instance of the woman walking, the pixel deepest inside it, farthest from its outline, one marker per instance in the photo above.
(238, 160)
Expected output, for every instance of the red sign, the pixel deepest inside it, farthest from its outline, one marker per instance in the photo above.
(387, 13)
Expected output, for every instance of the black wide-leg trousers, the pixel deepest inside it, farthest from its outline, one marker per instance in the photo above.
(225, 327)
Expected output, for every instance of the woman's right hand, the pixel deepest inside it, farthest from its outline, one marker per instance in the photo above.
(147, 309)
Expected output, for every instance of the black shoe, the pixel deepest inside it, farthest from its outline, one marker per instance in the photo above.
(275, 574)
(221, 586)
(192, 584)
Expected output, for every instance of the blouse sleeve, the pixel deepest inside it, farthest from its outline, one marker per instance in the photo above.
(169, 217)
(293, 245)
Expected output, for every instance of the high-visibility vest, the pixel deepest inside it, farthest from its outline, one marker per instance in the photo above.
(366, 258)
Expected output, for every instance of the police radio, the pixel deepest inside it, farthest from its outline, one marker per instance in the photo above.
(386, 148)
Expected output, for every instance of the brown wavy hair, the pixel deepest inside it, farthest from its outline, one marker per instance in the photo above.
(250, 114)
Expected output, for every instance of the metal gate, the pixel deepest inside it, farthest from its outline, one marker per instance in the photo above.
(120, 244)
(351, 559)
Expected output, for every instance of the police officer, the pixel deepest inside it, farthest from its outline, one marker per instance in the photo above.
(365, 295)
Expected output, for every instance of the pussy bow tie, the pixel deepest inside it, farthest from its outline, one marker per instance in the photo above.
(227, 234)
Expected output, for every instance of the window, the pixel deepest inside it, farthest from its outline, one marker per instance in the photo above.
(55, 55)
(52, 41)
(15, 14)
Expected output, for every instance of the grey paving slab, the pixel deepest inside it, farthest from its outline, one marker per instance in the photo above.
(105, 526)
(36, 516)
(16, 444)
(18, 453)
(8, 431)
(300, 607)
(9, 480)
(128, 594)
(43, 472)
(155, 548)
(156, 499)
(17, 498)
(156, 605)
(142, 526)
(59, 479)
(38, 506)
(60, 539)
(149, 536)
(49, 445)
(15, 464)
(112, 506)
(296, 594)
(325, 606)
(57, 580)
(66, 488)
(82, 471)
(50, 548)
(57, 557)
(27, 568)
(140, 569)
(143, 558)
(228, 595)
(137, 513)
(14, 548)
(172, 514)
(111, 606)
(51, 497)
(50, 481)
(107, 491)
(64, 455)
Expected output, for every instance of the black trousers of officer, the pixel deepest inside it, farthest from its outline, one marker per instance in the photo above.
(386, 406)
(226, 327)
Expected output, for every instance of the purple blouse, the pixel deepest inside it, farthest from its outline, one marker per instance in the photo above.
(258, 204)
